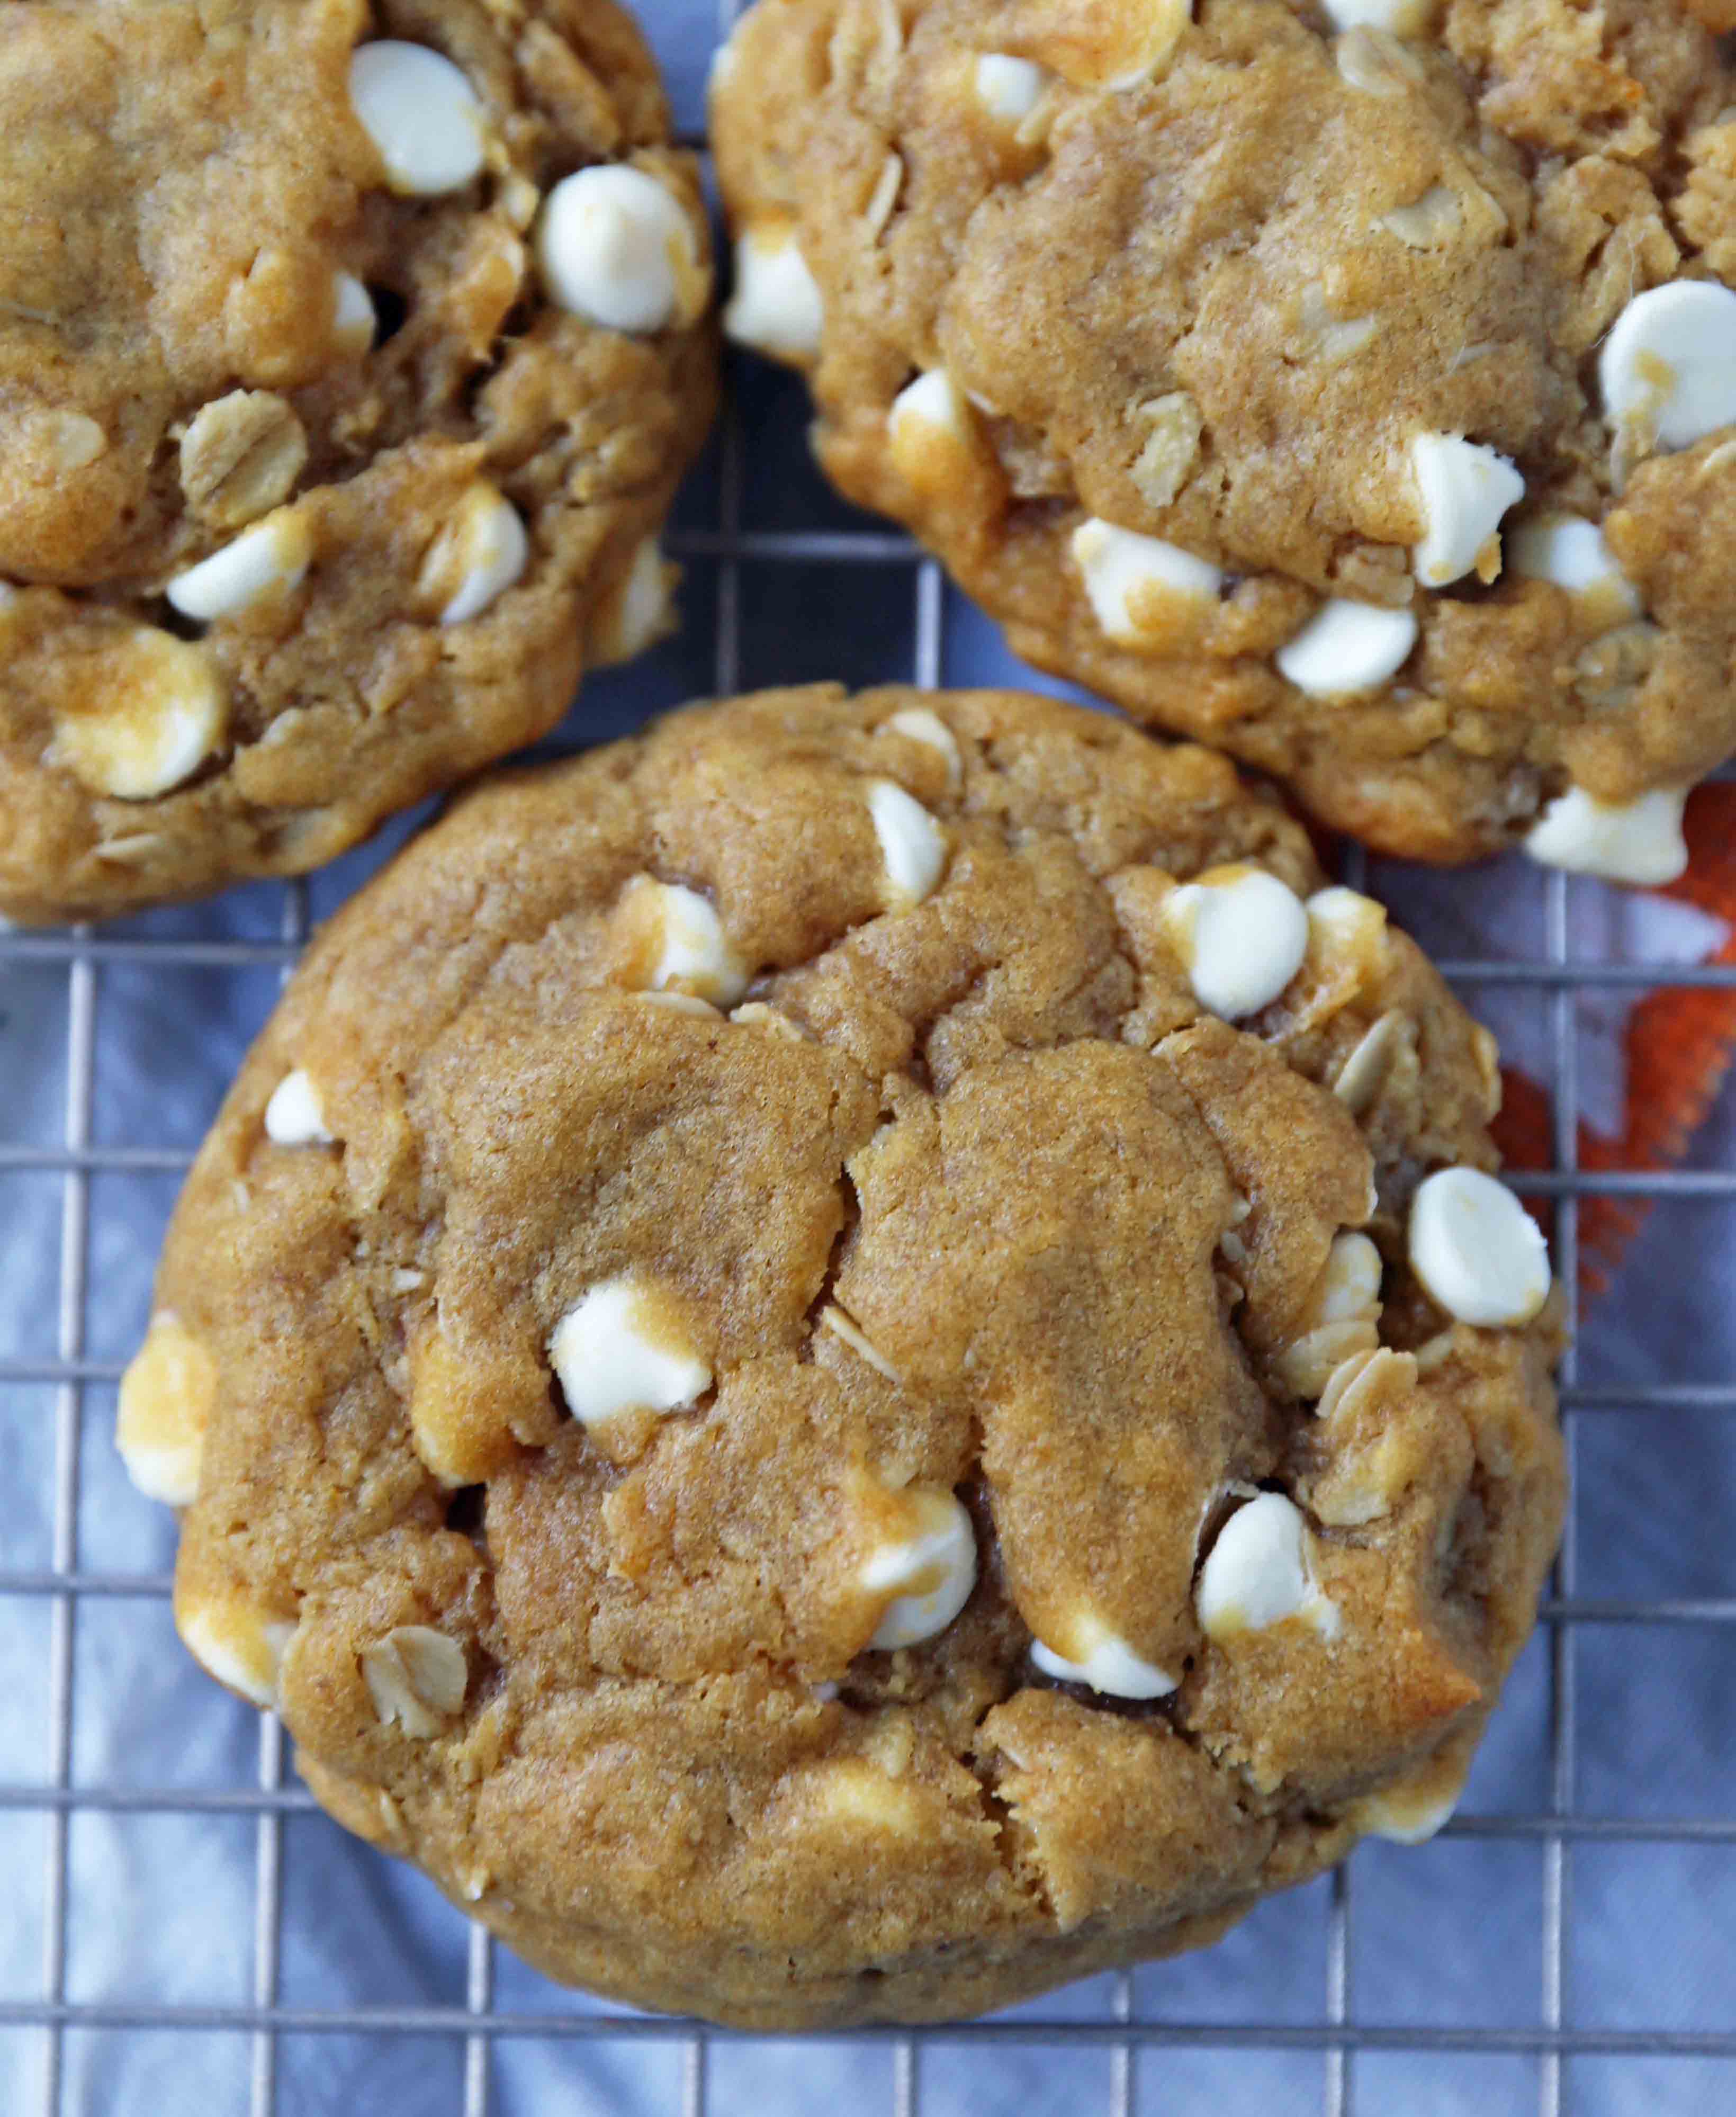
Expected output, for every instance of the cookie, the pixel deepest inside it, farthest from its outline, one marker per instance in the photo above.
(857, 1356)
(1350, 386)
(348, 359)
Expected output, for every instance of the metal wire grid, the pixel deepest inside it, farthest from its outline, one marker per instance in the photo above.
(1338, 2036)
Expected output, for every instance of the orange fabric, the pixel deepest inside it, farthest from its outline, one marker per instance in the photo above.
(1680, 1044)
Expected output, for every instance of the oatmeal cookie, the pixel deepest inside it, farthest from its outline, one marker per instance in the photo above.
(857, 1356)
(1351, 385)
(348, 358)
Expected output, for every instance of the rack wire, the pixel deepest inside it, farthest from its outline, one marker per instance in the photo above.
(1136, 2038)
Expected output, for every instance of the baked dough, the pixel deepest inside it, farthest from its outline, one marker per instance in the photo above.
(778, 1401)
(1353, 387)
(313, 478)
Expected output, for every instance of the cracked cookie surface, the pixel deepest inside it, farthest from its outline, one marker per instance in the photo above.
(775, 1399)
(330, 444)
(1353, 388)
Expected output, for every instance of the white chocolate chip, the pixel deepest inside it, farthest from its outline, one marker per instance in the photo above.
(1404, 1815)
(1669, 365)
(1479, 1254)
(1351, 1285)
(615, 247)
(1008, 88)
(1121, 564)
(1570, 551)
(847, 1331)
(268, 559)
(294, 1116)
(932, 436)
(639, 611)
(1347, 929)
(932, 400)
(929, 1574)
(912, 844)
(1341, 913)
(1348, 647)
(1398, 18)
(421, 114)
(853, 1792)
(166, 1397)
(1638, 841)
(417, 1676)
(688, 949)
(615, 1352)
(353, 320)
(1256, 1573)
(232, 1641)
(1465, 488)
(1105, 1662)
(162, 713)
(775, 306)
(477, 557)
(921, 724)
(1242, 935)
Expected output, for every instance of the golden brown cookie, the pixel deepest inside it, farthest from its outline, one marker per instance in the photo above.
(1351, 385)
(855, 1357)
(348, 359)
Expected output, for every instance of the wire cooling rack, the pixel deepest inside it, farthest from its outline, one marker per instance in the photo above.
(1334, 2004)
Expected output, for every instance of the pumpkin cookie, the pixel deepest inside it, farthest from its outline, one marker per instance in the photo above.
(1351, 385)
(348, 359)
(858, 1356)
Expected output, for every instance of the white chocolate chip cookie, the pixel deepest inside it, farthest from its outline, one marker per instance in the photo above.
(1246, 362)
(340, 410)
(798, 1353)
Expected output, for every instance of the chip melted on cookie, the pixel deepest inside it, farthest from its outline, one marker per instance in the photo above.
(835, 1408)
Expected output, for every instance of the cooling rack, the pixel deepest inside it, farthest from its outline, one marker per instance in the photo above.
(1557, 1950)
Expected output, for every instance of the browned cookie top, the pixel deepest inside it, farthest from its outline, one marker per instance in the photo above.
(347, 359)
(1352, 384)
(854, 1357)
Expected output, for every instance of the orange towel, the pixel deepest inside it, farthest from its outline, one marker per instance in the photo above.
(1679, 1046)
